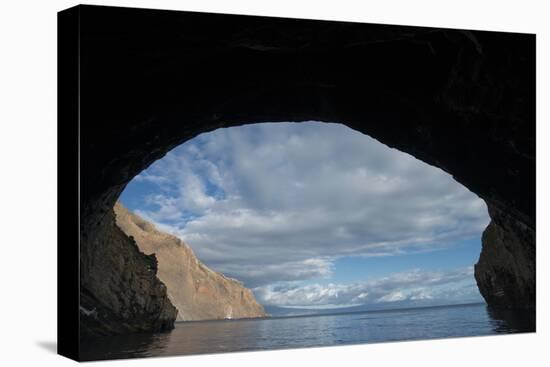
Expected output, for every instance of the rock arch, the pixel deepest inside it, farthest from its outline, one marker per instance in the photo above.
(463, 101)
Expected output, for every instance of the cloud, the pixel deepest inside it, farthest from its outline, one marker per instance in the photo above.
(413, 286)
(276, 202)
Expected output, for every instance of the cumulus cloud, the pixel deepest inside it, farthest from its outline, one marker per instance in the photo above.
(280, 202)
(413, 286)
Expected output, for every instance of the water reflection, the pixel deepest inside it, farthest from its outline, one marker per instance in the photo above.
(312, 331)
(513, 321)
(124, 346)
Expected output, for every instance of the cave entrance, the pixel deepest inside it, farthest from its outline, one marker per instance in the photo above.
(462, 101)
(504, 272)
(308, 215)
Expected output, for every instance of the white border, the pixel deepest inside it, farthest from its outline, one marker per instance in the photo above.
(28, 180)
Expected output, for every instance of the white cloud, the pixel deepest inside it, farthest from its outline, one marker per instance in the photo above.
(276, 202)
(392, 297)
(413, 286)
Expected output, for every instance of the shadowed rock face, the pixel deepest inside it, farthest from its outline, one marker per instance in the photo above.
(197, 292)
(120, 290)
(505, 272)
(463, 101)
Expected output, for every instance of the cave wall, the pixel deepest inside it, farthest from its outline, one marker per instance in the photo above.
(463, 101)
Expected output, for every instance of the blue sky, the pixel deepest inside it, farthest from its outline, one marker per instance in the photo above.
(459, 255)
(314, 214)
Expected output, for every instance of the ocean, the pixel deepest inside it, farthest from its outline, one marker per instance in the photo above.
(312, 331)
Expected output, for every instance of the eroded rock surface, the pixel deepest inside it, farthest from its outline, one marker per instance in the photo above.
(505, 272)
(197, 292)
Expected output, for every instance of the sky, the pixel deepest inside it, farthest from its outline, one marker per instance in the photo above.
(316, 215)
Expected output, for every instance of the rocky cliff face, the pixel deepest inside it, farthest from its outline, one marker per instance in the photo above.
(505, 272)
(197, 292)
(120, 292)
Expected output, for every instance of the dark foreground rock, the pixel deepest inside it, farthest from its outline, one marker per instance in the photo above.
(120, 292)
(505, 272)
(463, 101)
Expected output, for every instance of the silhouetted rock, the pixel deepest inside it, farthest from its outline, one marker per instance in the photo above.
(505, 272)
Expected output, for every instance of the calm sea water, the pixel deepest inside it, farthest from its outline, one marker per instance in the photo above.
(311, 331)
